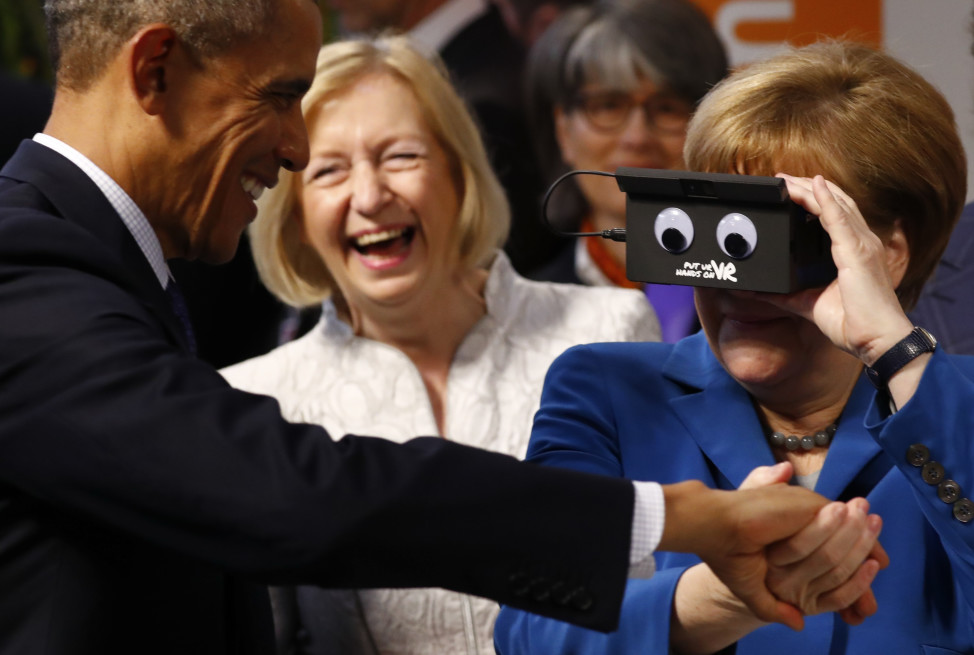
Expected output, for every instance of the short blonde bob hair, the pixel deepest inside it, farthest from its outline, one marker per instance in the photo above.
(860, 118)
(291, 268)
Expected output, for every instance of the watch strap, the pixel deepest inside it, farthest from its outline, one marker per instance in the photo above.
(916, 343)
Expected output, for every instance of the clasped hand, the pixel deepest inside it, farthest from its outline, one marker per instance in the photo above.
(771, 553)
(829, 565)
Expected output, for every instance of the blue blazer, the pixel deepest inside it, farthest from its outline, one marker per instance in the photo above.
(671, 413)
(142, 500)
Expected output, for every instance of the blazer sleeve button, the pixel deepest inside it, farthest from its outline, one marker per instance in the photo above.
(540, 589)
(932, 473)
(518, 584)
(561, 594)
(964, 510)
(582, 600)
(948, 491)
(918, 455)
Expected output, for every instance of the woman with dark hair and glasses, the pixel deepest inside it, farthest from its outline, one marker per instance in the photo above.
(614, 84)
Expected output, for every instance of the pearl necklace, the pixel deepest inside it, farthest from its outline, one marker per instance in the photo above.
(793, 442)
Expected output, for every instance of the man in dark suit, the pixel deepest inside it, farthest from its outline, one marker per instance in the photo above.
(947, 302)
(142, 500)
(486, 63)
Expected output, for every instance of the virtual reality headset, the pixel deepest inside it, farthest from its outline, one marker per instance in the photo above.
(719, 230)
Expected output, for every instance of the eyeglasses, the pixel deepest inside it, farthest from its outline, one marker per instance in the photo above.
(610, 110)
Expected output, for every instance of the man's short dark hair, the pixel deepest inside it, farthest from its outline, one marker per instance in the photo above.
(84, 35)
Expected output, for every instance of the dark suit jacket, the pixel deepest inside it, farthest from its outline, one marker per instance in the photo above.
(486, 65)
(234, 316)
(141, 497)
(946, 307)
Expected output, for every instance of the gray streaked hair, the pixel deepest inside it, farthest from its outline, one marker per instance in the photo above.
(602, 53)
(84, 35)
(615, 43)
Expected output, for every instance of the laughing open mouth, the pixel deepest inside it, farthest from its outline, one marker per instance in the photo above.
(384, 243)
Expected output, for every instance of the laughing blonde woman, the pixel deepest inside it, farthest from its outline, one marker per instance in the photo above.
(395, 226)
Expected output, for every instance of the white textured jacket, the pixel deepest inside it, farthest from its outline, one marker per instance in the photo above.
(354, 385)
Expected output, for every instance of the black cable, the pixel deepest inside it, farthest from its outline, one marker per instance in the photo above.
(615, 234)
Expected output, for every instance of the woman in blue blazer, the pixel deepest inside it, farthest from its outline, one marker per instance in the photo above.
(883, 413)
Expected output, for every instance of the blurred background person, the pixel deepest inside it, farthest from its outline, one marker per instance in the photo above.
(784, 378)
(24, 108)
(946, 305)
(609, 85)
(396, 225)
(25, 74)
(947, 302)
(486, 65)
(529, 19)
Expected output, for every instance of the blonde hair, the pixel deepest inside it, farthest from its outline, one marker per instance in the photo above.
(292, 269)
(857, 116)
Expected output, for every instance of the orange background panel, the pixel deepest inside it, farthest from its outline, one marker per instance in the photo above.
(858, 19)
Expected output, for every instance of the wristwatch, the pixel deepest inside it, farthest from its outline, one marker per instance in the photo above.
(916, 343)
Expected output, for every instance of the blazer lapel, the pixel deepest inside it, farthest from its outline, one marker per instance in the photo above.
(853, 450)
(719, 416)
(79, 200)
(716, 411)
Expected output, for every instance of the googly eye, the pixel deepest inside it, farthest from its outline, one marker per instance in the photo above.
(737, 236)
(674, 230)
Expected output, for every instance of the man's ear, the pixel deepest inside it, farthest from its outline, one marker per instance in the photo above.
(151, 63)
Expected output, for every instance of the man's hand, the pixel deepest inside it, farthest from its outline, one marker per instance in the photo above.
(730, 531)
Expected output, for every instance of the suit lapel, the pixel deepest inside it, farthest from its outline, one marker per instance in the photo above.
(79, 200)
(719, 416)
(853, 449)
(716, 411)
